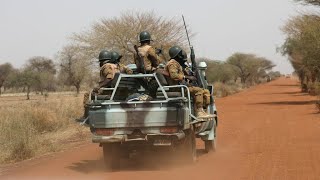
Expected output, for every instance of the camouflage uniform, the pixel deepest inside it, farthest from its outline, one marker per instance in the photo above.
(151, 61)
(108, 71)
(176, 74)
(150, 58)
(206, 93)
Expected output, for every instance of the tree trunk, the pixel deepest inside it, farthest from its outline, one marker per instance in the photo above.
(243, 79)
(28, 93)
(78, 88)
(0, 90)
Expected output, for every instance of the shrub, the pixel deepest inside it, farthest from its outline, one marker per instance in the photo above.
(26, 127)
(226, 89)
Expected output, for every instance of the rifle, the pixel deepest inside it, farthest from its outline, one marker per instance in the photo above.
(141, 61)
(194, 68)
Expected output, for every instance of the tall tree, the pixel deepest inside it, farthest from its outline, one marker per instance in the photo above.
(5, 70)
(74, 66)
(249, 66)
(302, 46)
(118, 32)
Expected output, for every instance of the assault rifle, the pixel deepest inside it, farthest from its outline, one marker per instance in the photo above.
(141, 61)
(194, 68)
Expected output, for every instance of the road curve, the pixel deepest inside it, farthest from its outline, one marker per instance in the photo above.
(271, 131)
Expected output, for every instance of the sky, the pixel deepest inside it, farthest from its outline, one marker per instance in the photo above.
(223, 27)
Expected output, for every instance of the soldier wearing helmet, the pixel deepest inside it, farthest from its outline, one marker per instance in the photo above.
(177, 76)
(147, 53)
(187, 70)
(109, 65)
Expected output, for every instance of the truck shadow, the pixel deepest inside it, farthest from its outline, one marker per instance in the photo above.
(290, 93)
(286, 85)
(158, 162)
(286, 103)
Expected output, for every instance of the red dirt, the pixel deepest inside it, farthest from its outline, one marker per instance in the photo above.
(271, 131)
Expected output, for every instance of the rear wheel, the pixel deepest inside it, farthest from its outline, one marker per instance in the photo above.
(112, 156)
(210, 145)
(188, 149)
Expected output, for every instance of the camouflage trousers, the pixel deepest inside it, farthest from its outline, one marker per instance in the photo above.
(200, 96)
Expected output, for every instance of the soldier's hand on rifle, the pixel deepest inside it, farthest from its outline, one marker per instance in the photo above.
(191, 78)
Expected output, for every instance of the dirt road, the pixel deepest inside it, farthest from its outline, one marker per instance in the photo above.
(270, 131)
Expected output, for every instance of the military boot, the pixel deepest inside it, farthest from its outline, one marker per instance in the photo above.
(203, 115)
(85, 116)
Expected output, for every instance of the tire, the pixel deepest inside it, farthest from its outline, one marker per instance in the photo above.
(210, 145)
(112, 156)
(188, 149)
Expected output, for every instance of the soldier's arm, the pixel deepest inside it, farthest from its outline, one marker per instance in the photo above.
(174, 73)
(125, 69)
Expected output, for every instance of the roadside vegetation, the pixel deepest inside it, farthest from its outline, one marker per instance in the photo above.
(302, 47)
(34, 127)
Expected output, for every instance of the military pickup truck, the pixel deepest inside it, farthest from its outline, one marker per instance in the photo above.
(122, 126)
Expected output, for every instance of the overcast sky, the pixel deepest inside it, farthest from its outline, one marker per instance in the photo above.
(41, 27)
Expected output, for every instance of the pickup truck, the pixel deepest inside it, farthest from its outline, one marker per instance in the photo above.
(123, 126)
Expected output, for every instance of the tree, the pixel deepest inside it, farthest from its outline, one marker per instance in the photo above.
(74, 66)
(218, 71)
(118, 32)
(249, 66)
(274, 74)
(5, 70)
(23, 78)
(302, 46)
(44, 70)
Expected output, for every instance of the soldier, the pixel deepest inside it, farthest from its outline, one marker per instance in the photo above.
(188, 71)
(147, 54)
(109, 65)
(147, 61)
(177, 76)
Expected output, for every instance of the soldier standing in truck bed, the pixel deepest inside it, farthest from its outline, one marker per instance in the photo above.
(147, 53)
(177, 76)
(147, 60)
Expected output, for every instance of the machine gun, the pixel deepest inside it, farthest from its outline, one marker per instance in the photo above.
(200, 81)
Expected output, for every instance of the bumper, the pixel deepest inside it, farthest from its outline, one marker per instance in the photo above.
(124, 138)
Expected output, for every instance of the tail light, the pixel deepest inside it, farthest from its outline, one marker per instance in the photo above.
(105, 132)
(168, 130)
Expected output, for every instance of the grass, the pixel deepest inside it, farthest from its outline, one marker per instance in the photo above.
(38, 126)
(226, 89)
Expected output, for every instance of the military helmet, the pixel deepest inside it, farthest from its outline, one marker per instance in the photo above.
(145, 36)
(174, 51)
(115, 56)
(104, 55)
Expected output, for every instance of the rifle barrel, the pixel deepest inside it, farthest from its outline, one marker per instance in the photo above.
(185, 27)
